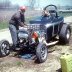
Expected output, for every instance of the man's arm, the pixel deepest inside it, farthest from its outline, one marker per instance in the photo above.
(18, 19)
(22, 24)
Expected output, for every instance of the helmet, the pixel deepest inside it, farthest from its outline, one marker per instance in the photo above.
(23, 8)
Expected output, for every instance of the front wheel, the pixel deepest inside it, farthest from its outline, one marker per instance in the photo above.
(4, 48)
(41, 52)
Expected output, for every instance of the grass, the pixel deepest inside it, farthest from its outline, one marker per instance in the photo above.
(65, 14)
(4, 24)
(19, 63)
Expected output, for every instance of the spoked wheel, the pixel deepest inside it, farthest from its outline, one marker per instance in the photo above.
(41, 53)
(4, 48)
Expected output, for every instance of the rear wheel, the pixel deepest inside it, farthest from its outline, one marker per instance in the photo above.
(41, 53)
(65, 34)
(4, 48)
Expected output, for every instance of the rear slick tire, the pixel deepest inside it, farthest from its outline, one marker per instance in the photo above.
(65, 34)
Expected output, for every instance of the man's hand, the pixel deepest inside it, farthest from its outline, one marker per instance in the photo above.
(46, 13)
(23, 24)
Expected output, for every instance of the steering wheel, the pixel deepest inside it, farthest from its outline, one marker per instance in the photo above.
(52, 9)
(49, 6)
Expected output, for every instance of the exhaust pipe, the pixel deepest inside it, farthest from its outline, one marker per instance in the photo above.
(49, 44)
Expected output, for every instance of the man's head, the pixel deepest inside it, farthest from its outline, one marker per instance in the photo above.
(46, 13)
(22, 9)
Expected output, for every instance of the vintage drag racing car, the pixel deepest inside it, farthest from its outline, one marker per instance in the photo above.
(39, 33)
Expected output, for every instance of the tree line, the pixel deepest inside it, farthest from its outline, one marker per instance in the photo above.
(8, 5)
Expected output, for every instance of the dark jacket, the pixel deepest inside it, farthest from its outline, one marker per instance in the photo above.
(16, 19)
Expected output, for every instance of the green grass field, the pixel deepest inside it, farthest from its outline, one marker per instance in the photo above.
(65, 14)
(4, 24)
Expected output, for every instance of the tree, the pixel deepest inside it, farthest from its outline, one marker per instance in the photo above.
(32, 3)
(5, 4)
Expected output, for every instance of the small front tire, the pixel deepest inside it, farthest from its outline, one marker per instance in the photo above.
(4, 48)
(41, 53)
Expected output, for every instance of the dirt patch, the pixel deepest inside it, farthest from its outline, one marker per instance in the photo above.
(12, 63)
(20, 65)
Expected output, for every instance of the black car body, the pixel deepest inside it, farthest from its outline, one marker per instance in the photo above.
(39, 33)
(51, 24)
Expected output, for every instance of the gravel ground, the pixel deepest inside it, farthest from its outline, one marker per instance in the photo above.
(12, 63)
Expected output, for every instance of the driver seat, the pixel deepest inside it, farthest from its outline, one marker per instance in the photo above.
(53, 13)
